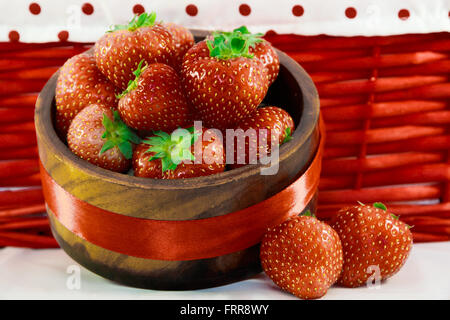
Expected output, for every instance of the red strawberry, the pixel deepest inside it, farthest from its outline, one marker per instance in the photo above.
(154, 100)
(263, 51)
(164, 157)
(268, 56)
(184, 40)
(277, 125)
(224, 83)
(371, 238)
(119, 51)
(79, 84)
(302, 256)
(99, 136)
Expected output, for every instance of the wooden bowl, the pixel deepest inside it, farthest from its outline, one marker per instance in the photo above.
(184, 199)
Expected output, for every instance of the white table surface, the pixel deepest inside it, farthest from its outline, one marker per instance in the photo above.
(43, 274)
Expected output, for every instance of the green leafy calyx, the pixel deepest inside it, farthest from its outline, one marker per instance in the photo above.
(308, 213)
(229, 45)
(288, 135)
(132, 84)
(251, 38)
(118, 134)
(172, 149)
(380, 205)
(143, 20)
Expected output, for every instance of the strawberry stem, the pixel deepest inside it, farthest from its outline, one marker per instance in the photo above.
(379, 205)
(308, 213)
(143, 20)
(171, 149)
(251, 38)
(394, 216)
(117, 134)
(229, 45)
(398, 218)
(132, 84)
(288, 135)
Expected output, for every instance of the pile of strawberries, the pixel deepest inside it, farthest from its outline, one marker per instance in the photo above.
(147, 82)
(362, 245)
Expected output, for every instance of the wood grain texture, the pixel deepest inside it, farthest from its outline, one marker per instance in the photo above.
(182, 199)
(159, 274)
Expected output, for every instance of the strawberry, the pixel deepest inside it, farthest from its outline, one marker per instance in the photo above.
(263, 51)
(271, 125)
(154, 100)
(371, 238)
(222, 80)
(302, 256)
(119, 51)
(165, 156)
(184, 40)
(79, 84)
(98, 136)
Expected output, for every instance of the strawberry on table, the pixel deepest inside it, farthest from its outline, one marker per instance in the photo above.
(302, 256)
(98, 135)
(372, 240)
(165, 156)
(154, 100)
(222, 80)
(263, 51)
(79, 84)
(278, 126)
(184, 40)
(119, 51)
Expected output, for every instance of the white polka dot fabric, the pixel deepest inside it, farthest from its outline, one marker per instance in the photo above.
(86, 21)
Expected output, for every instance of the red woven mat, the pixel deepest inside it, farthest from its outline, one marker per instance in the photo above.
(385, 101)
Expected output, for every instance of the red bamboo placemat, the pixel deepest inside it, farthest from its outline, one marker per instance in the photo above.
(385, 102)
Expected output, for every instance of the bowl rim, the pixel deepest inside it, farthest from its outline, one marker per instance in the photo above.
(307, 125)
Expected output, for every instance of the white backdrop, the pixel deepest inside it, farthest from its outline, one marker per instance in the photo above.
(51, 274)
(87, 20)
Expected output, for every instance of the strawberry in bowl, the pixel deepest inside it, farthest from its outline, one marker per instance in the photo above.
(184, 40)
(222, 80)
(194, 154)
(79, 84)
(269, 127)
(98, 135)
(262, 50)
(154, 100)
(119, 51)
